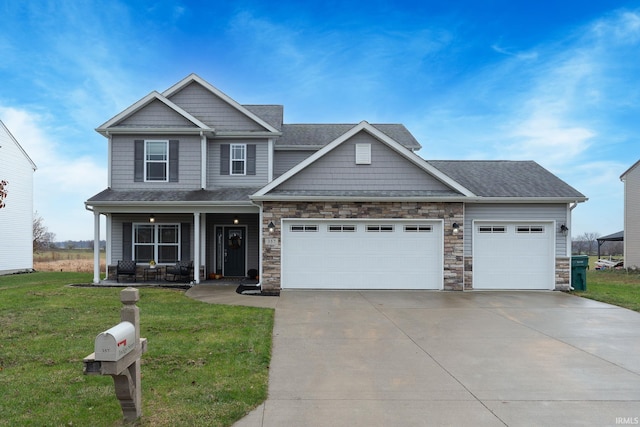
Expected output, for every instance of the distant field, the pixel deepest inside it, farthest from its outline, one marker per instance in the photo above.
(67, 260)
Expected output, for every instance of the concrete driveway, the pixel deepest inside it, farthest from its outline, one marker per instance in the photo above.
(415, 358)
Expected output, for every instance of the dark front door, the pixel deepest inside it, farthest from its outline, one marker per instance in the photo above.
(233, 251)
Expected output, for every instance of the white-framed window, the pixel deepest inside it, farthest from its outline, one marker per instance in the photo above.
(156, 161)
(341, 228)
(238, 159)
(530, 229)
(158, 242)
(380, 228)
(418, 228)
(304, 228)
(492, 229)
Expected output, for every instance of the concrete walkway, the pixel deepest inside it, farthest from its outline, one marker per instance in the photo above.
(419, 358)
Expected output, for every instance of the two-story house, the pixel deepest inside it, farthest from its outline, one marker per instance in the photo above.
(16, 205)
(194, 175)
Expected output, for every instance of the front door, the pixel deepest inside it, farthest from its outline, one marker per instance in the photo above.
(232, 245)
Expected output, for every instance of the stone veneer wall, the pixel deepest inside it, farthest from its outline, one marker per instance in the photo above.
(563, 273)
(449, 212)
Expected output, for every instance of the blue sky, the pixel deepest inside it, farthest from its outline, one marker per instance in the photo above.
(557, 82)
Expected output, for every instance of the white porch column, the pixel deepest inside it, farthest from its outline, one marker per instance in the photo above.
(96, 247)
(196, 247)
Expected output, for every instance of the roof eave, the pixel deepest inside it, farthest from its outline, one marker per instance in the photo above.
(154, 131)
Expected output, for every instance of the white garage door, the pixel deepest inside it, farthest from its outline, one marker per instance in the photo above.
(359, 254)
(513, 255)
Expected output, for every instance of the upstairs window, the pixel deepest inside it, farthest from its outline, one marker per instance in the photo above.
(238, 159)
(156, 161)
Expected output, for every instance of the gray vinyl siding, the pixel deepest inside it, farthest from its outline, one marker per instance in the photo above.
(216, 180)
(515, 212)
(212, 110)
(156, 114)
(388, 170)
(631, 215)
(285, 160)
(123, 163)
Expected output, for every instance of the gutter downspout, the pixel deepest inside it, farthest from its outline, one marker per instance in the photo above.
(572, 206)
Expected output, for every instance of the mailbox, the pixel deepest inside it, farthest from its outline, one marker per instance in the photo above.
(115, 343)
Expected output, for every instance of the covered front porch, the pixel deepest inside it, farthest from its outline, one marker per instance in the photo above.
(219, 241)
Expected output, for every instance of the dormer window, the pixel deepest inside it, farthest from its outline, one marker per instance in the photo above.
(238, 159)
(156, 161)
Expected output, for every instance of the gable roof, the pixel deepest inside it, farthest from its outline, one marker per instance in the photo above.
(111, 126)
(624, 175)
(191, 78)
(314, 136)
(15, 141)
(263, 194)
(508, 179)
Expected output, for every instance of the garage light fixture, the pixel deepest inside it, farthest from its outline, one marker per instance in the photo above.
(564, 229)
(236, 221)
(456, 228)
(152, 219)
(272, 227)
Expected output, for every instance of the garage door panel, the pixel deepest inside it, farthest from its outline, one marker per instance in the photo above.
(362, 259)
(513, 256)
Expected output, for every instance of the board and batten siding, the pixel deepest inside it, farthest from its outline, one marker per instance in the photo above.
(119, 219)
(515, 212)
(16, 218)
(632, 218)
(156, 113)
(212, 110)
(388, 171)
(283, 160)
(122, 167)
(216, 180)
(226, 220)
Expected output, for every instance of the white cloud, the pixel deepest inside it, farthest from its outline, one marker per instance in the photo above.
(61, 183)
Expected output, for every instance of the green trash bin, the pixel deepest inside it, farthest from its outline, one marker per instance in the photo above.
(579, 266)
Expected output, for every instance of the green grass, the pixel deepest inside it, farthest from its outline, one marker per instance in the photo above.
(205, 365)
(617, 287)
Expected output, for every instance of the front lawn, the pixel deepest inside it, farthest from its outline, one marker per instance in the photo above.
(205, 365)
(617, 287)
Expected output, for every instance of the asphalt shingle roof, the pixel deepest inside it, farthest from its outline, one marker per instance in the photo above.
(503, 178)
(323, 134)
(232, 194)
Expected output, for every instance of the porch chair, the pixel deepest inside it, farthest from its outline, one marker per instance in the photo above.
(183, 270)
(126, 268)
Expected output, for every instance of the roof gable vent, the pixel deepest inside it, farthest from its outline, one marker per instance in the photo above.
(363, 154)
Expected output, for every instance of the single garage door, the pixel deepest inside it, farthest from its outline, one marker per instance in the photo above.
(513, 255)
(362, 254)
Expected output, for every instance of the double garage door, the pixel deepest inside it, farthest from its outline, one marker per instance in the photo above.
(513, 255)
(362, 254)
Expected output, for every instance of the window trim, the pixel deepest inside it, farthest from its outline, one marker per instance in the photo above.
(342, 228)
(380, 228)
(232, 159)
(147, 161)
(156, 243)
(303, 228)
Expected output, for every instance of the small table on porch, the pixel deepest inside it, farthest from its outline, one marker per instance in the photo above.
(154, 273)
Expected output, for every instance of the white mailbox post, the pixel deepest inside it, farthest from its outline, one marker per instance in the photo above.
(117, 353)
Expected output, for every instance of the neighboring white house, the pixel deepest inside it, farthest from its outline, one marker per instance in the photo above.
(631, 179)
(16, 205)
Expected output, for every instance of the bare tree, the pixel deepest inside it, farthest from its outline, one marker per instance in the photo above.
(587, 243)
(42, 238)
